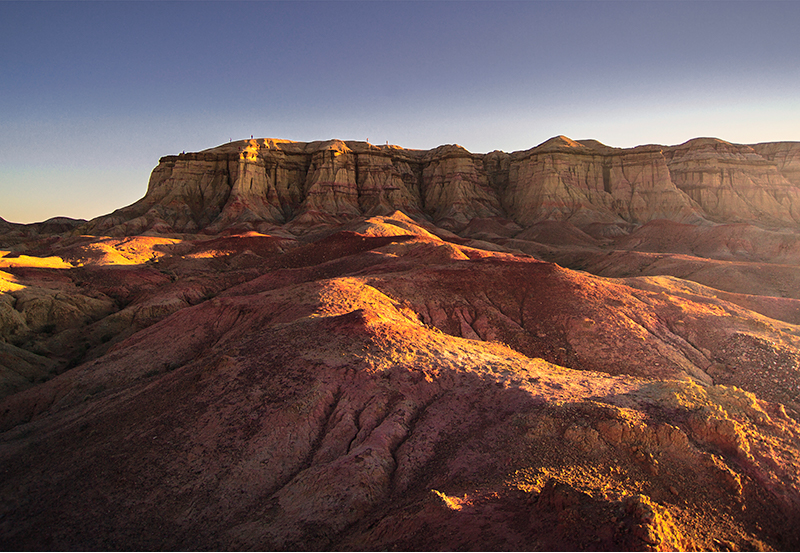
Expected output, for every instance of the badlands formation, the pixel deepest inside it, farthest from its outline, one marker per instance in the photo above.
(341, 346)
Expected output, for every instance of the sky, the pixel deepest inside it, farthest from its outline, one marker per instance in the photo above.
(92, 94)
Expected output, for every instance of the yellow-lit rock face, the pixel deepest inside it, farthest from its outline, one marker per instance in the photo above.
(49, 262)
(9, 283)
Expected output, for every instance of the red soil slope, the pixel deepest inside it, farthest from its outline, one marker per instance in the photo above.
(378, 387)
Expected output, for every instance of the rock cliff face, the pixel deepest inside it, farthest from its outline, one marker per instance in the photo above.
(456, 187)
(734, 183)
(589, 182)
(257, 184)
(786, 155)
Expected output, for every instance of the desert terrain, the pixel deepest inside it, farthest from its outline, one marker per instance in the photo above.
(340, 346)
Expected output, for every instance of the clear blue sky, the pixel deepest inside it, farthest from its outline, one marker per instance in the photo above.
(93, 93)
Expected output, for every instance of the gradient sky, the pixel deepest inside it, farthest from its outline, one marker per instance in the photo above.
(93, 93)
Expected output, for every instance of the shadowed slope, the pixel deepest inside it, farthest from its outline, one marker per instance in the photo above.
(361, 390)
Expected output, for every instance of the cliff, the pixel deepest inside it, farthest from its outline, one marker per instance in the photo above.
(589, 183)
(260, 183)
(734, 183)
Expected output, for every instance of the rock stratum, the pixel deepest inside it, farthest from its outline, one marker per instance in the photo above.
(339, 346)
(251, 184)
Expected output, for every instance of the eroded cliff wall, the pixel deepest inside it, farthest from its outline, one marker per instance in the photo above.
(588, 183)
(253, 184)
(734, 183)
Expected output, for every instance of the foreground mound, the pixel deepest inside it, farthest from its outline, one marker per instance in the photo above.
(377, 387)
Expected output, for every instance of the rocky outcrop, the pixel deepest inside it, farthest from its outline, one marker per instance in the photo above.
(786, 155)
(456, 187)
(589, 183)
(344, 183)
(260, 183)
(733, 183)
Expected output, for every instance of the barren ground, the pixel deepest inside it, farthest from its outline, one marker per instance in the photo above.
(387, 386)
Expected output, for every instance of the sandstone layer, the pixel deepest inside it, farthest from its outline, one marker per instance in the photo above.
(257, 184)
(734, 183)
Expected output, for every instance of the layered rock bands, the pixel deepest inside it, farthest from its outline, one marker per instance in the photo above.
(257, 183)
